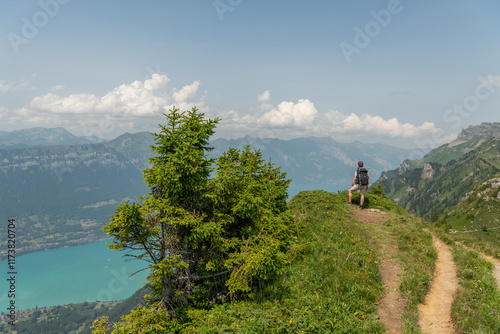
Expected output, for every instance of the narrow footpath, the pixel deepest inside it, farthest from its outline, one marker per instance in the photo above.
(392, 305)
(435, 313)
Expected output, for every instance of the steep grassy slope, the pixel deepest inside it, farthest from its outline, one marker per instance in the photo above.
(476, 219)
(438, 187)
(449, 152)
(472, 227)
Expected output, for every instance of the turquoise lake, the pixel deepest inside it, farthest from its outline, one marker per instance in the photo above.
(76, 274)
(83, 273)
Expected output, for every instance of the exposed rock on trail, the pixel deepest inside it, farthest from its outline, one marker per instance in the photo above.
(435, 313)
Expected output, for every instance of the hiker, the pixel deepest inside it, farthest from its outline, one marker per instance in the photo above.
(360, 182)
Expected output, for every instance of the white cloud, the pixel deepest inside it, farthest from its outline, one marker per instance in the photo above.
(72, 104)
(264, 97)
(14, 86)
(369, 125)
(139, 99)
(137, 106)
(186, 92)
(289, 120)
(289, 114)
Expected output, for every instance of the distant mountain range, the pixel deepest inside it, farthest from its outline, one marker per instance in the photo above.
(442, 178)
(62, 194)
(316, 160)
(42, 137)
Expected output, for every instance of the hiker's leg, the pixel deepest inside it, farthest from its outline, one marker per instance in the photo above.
(362, 197)
(350, 195)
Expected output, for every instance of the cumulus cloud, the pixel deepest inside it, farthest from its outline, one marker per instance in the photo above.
(138, 99)
(367, 124)
(14, 86)
(299, 119)
(139, 106)
(264, 97)
(136, 106)
(263, 100)
(186, 92)
(72, 104)
(290, 114)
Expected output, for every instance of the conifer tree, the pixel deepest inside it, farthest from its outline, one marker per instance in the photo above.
(207, 226)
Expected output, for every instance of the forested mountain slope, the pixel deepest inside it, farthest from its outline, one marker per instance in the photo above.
(438, 181)
(476, 218)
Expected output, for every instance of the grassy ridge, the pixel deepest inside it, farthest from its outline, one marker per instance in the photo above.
(334, 283)
(333, 286)
(416, 253)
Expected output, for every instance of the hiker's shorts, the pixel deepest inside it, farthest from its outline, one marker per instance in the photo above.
(359, 187)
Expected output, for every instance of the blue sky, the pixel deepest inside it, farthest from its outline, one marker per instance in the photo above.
(407, 73)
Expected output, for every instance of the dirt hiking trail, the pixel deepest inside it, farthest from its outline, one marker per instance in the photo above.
(435, 313)
(392, 304)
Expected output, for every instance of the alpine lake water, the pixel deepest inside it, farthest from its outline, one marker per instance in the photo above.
(84, 273)
(76, 274)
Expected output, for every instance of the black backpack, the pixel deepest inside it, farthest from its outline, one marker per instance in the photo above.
(363, 176)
